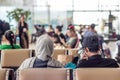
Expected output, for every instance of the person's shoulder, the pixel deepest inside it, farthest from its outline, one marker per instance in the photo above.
(2, 47)
(113, 62)
(83, 63)
(61, 34)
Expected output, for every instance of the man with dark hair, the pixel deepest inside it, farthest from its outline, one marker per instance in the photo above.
(91, 31)
(92, 57)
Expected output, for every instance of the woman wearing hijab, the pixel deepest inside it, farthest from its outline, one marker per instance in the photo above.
(43, 50)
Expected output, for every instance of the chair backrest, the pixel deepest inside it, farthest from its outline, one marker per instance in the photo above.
(42, 74)
(14, 57)
(98, 74)
(65, 59)
(6, 74)
(73, 52)
(58, 52)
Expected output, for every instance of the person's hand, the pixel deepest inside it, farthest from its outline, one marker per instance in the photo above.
(84, 56)
(24, 29)
(62, 40)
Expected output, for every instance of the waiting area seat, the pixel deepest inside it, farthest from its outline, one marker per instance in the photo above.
(42, 74)
(97, 74)
(73, 52)
(6, 74)
(62, 74)
(58, 52)
(13, 58)
(65, 59)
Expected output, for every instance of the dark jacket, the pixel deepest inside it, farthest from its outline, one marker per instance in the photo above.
(42, 64)
(97, 61)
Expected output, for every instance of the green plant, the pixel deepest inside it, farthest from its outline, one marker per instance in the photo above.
(16, 13)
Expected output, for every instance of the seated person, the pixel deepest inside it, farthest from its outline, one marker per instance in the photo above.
(71, 43)
(39, 31)
(58, 31)
(9, 38)
(44, 49)
(57, 42)
(91, 57)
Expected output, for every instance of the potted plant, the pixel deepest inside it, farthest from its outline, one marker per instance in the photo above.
(16, 13)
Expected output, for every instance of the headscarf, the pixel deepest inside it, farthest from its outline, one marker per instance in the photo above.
(44, 47)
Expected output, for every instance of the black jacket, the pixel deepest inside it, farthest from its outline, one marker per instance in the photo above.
(97, 61)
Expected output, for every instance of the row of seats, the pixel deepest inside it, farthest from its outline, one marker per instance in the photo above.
(64, 52)
(14, 58)
(63, 74)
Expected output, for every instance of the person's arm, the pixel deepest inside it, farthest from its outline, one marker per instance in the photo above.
(71, 44)
(64, 44)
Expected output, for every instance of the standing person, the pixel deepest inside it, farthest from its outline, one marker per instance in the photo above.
(23, 33)
(9, 38)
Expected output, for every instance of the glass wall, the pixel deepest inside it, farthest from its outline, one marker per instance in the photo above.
(65, 11)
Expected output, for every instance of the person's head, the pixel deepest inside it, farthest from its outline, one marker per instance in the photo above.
(56, 38)
(41, 31)
(71, 31)
(22, 18)
(58, 29)
(39, 25)
(44, 47)
(9, 35)
(91, 45)
(92, 26)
